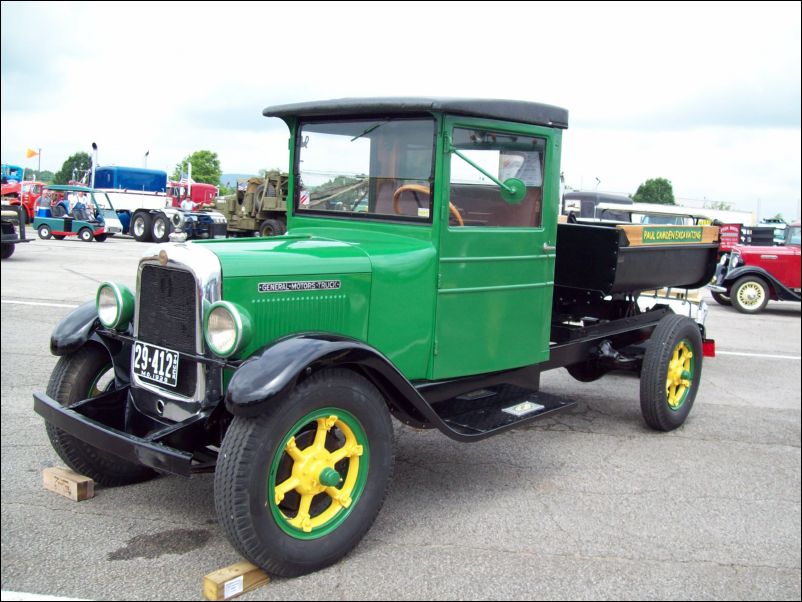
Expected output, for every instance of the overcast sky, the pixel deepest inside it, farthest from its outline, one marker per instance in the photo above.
(706, 95)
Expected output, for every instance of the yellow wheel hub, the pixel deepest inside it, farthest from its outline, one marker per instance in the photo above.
(680, 375)
(313, 473)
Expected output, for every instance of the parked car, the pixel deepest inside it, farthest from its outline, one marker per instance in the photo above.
(13, 229)
(751, 275)
(93, 218)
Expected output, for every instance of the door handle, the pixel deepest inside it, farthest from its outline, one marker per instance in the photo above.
(547, 248)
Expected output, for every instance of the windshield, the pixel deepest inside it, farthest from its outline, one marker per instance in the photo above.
(793, 236)
(102, 200)
(360, 168)
(665, 220)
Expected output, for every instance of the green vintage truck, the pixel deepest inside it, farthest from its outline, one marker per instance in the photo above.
(423, 277)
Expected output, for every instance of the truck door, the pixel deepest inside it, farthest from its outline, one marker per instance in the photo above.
(496, 262)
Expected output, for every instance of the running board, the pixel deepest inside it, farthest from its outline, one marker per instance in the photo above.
(483, 413)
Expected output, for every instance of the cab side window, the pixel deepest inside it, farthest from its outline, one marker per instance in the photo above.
(504, 155)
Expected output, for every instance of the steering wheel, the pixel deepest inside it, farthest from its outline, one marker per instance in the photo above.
(424, 190)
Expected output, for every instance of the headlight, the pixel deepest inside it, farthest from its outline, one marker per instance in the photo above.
(227, 328)
(735, 260)
(115, 305)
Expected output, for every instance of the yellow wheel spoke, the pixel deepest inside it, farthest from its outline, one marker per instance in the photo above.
(338, 497)
(302, 519)
(346, 451)
(323, 427)
(285, 487)
(292, 450)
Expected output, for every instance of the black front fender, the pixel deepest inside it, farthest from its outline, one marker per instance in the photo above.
(271, 374)
(75, 329)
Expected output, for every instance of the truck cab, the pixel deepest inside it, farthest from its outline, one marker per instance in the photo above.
(201, 195)
(423, 276)
(429, 192)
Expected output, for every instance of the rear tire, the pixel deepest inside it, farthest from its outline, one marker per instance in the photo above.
(271, 227)
(140, 227)
(78, 376)
(6, 251)
(585, 372)
(332, 412)
(161, 228)
(672, 368)
(44, 232)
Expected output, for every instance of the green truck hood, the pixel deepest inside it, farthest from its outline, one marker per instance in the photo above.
(288, 256)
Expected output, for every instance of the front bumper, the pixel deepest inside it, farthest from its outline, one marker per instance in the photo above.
(100, 422)
(717, 289)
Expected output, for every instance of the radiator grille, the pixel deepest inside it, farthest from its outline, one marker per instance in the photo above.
(167, 308)
(167, 313)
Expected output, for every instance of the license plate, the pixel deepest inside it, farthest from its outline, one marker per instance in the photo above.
(155, 364)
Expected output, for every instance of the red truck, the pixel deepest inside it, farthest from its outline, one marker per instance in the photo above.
(24, 194)
(751, 275)
(202, 195)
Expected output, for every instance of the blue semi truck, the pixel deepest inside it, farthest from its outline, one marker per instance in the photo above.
(140, 197)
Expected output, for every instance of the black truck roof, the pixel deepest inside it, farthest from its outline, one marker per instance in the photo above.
(508, 110)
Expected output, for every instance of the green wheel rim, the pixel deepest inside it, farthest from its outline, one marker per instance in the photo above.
(95, 389)
(680, 375)
(321, 446)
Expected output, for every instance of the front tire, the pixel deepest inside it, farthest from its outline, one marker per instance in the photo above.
(672, 368)
(722, 299)
(7, 250)
(87, 373)
(297, 487)
(750, 295)
(85, 234)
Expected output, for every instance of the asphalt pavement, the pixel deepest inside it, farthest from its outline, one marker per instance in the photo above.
(588, 504)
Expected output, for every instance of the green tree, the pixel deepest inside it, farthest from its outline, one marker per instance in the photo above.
(656, 190)
(718, 205)
(205, 167)
(39, 176)
(75, 167)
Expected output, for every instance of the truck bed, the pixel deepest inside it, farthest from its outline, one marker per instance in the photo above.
(607, 259)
